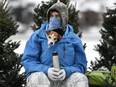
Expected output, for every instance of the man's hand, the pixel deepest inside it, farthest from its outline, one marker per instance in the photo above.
(62, 74)
(53, 74)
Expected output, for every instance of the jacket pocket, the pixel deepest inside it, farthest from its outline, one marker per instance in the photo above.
(68, 53)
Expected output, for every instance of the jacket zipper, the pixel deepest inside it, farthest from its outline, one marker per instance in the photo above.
(64, 48)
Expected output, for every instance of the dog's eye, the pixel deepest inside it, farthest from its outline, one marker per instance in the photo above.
(50, 37)
(55, 38)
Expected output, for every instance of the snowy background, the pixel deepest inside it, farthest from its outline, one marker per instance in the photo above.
(90, 36)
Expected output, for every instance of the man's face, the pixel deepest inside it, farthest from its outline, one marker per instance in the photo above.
(56, 15)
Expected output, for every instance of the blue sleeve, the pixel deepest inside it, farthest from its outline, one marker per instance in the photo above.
(80, 63)
(31, 56)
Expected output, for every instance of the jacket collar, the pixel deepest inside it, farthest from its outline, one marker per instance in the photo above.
(45, 26)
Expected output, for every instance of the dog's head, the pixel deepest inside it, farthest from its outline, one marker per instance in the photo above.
(53, 37)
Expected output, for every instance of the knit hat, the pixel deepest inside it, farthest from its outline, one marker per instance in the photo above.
(62, 9)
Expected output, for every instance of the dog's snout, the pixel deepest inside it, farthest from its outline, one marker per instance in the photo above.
(51, 43)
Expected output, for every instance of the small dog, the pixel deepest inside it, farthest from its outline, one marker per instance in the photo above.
(53, 37)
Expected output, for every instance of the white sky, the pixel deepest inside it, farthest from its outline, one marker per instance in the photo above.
(108, 3)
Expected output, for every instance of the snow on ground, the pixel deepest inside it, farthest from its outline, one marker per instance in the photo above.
(91, 38)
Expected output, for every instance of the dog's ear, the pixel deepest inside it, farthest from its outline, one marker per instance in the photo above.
(48, 31)
(59, 37)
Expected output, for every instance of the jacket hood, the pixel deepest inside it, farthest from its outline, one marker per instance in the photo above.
(62, 9)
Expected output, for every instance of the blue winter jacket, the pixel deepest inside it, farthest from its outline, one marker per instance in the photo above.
(37, 55)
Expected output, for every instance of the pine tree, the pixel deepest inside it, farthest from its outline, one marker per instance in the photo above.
(9, 60)
(107, 48)
(41, 10)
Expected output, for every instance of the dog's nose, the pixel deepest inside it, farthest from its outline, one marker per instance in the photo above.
(51, 43)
